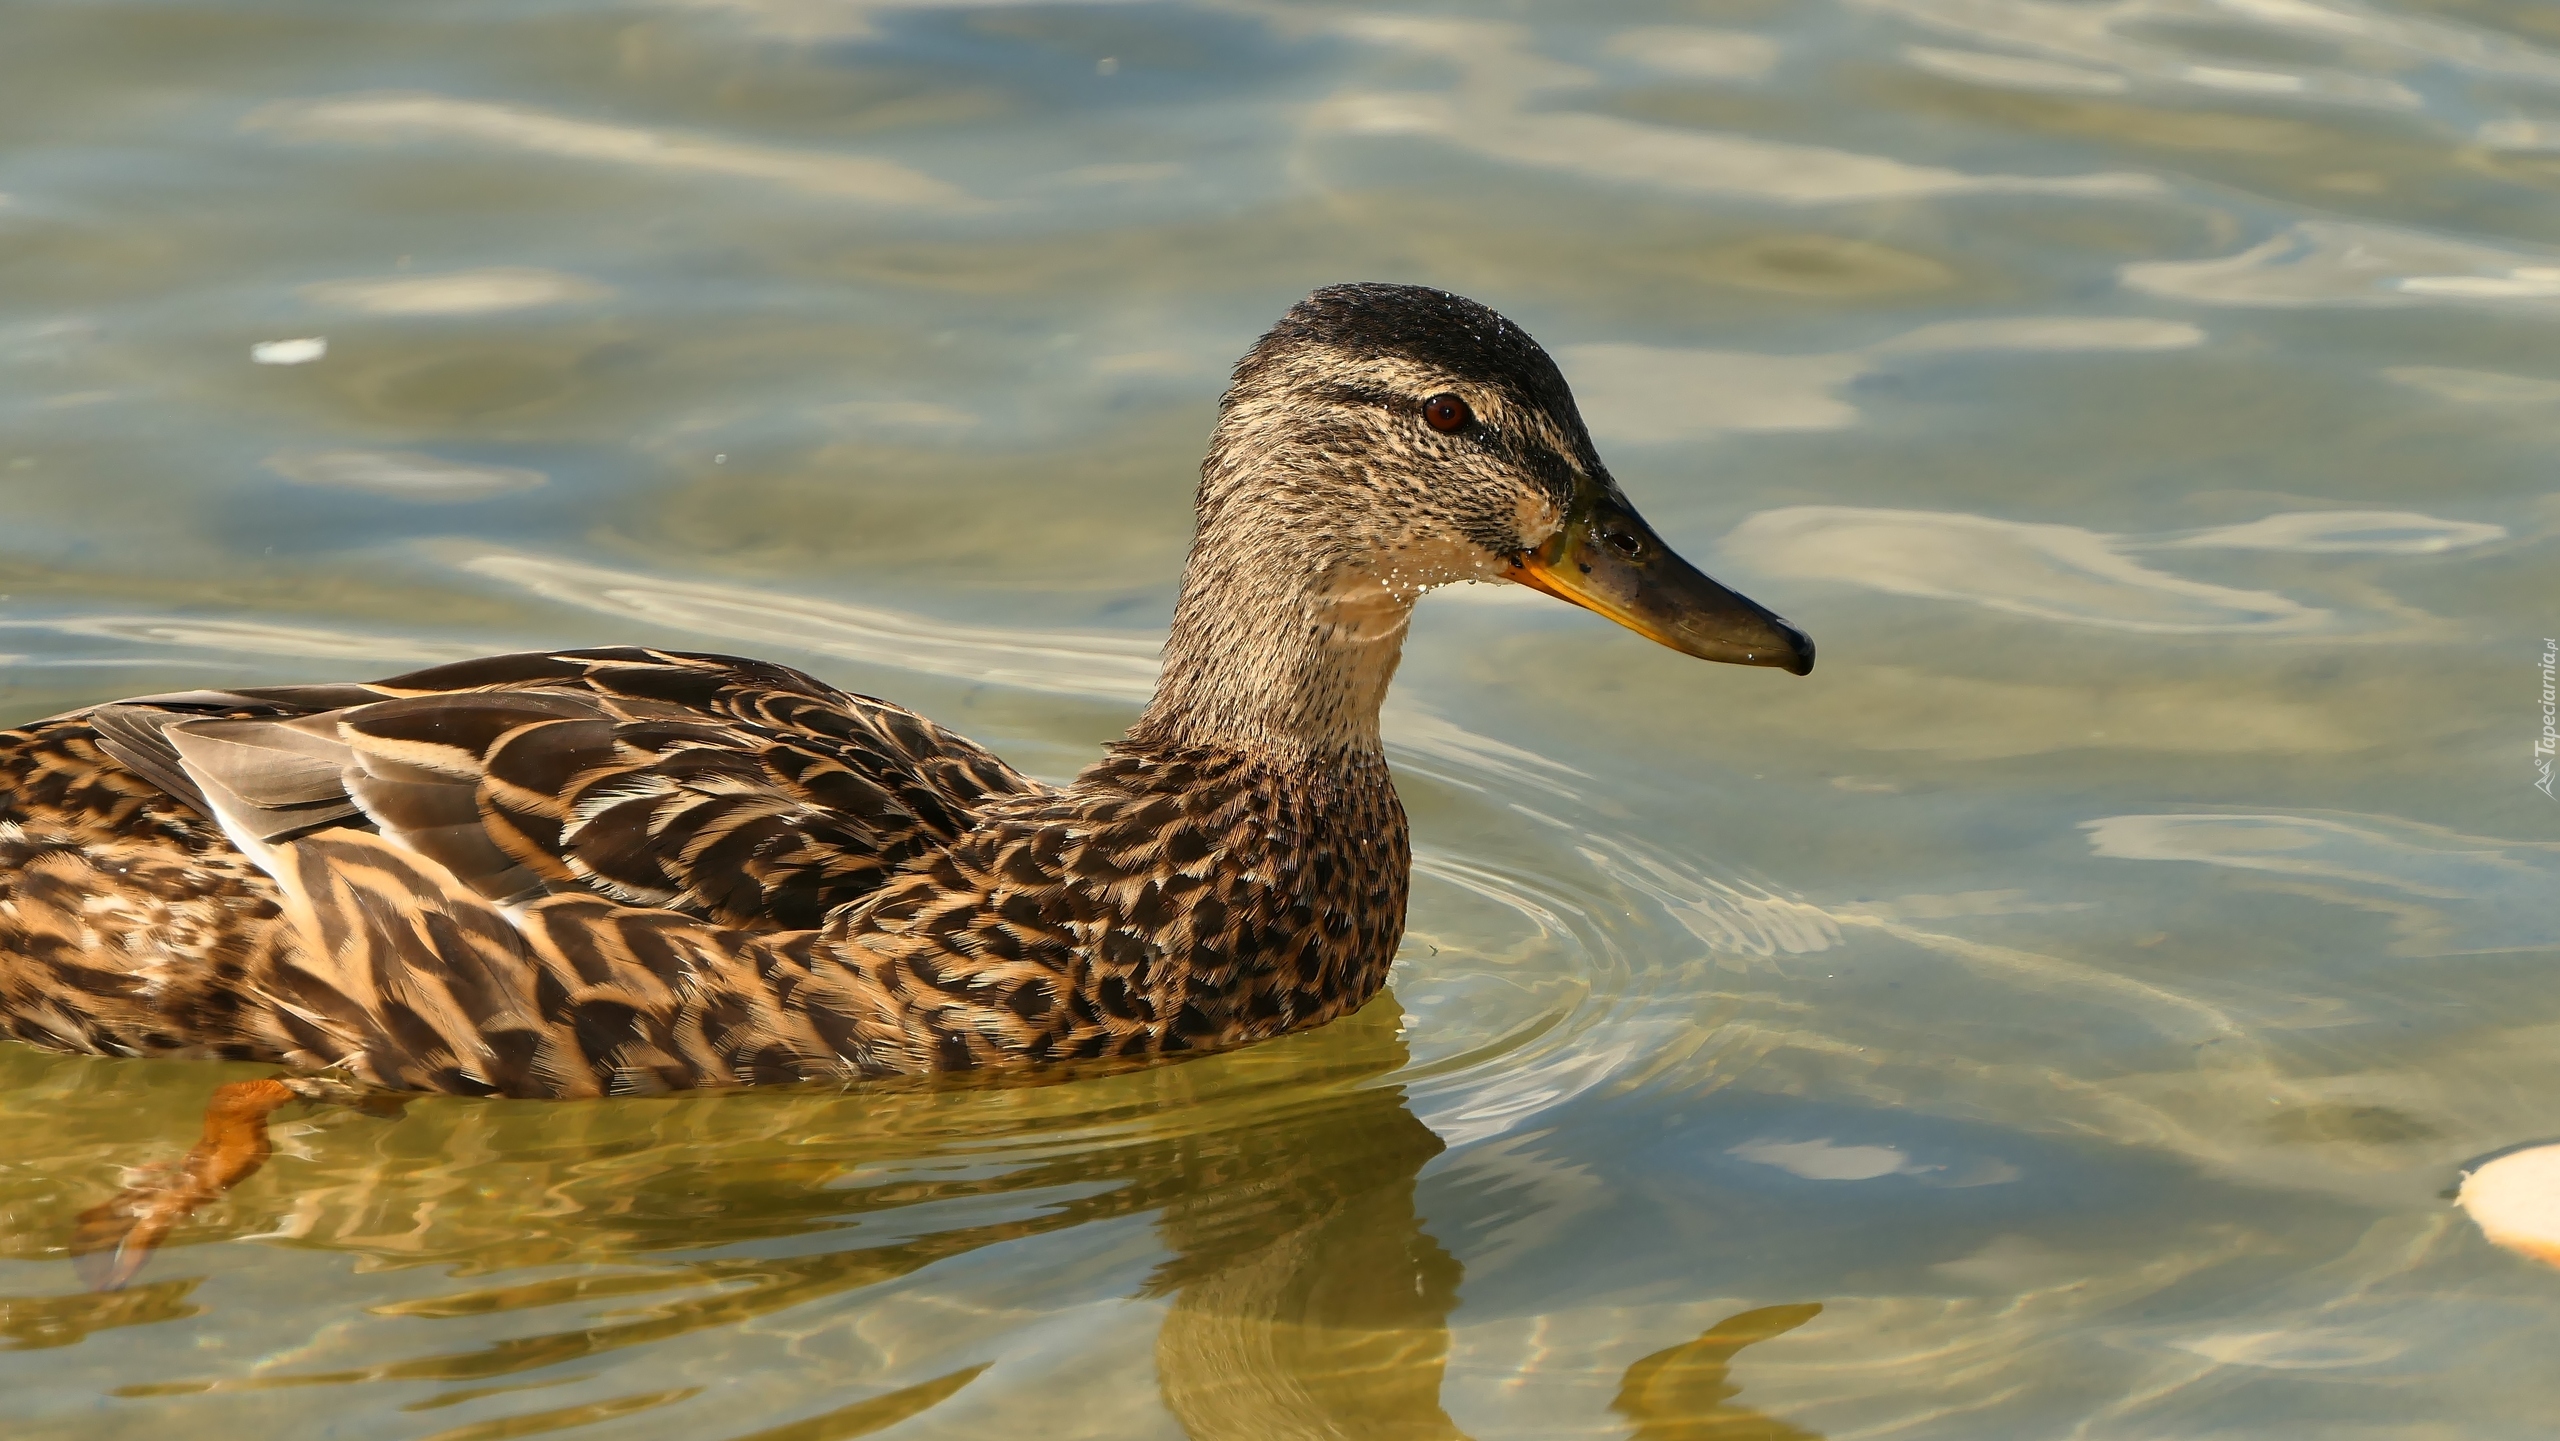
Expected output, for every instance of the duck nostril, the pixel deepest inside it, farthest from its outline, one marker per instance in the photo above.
(1625, 543)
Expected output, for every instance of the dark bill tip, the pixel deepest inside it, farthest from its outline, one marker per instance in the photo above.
(1607, 560)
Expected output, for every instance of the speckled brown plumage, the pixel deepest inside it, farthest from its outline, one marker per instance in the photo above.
(589, 872)
(954, 914)
(128, 924)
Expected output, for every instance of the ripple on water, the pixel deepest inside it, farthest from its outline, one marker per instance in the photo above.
(1654, 394)
(1591, 962)
(406, 474)
(490, 290)
(2342, 263)
(2446, 893)
(409, 118)
(1492, 113)
(2075, 576)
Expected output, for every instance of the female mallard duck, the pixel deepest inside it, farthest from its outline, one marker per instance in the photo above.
(591, 872)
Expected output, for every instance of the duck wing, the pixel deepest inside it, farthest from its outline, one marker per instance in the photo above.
(407, 980)
(740, 792)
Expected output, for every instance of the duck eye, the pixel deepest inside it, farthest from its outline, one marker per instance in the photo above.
(1446, 413)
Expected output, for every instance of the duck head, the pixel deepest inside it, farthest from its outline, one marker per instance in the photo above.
(1383, 440)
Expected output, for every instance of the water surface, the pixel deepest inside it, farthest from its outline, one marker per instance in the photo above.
(2061, 1015)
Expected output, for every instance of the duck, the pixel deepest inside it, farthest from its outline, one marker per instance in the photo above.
(598, 872)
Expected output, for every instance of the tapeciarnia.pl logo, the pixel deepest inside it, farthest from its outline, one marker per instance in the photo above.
(2549, 740)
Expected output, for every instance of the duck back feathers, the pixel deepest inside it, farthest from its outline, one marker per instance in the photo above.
(580, 873)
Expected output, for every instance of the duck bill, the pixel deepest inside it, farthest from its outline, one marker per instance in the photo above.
(1606, 559)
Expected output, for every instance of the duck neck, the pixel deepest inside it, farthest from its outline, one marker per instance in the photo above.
(1273, 652)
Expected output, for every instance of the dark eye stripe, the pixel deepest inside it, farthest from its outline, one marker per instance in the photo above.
(1524, 447)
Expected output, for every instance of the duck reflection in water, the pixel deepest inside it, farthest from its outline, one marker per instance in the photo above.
(1306, 1297)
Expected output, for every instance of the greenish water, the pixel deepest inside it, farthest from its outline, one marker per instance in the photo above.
(2083, 989)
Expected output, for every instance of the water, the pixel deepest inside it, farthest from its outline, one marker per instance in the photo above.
(2061, 1015)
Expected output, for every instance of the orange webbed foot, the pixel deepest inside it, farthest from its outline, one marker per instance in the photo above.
(112, 1240)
